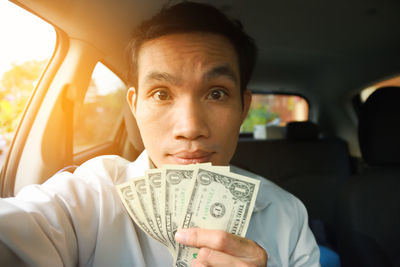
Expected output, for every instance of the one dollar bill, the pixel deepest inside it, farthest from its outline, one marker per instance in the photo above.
(218, 200)
(189, 196)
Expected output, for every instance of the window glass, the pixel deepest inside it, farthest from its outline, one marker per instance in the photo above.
(26, 45)
(99, 117)
(274, 110)
(364, 94)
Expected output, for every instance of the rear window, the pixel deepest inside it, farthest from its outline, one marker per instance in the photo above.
(272, 112)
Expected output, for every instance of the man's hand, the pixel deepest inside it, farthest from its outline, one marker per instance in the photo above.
(219, 248)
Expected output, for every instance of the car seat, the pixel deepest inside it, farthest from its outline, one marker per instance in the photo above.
(369, 205)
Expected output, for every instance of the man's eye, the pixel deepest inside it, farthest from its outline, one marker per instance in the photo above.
(217, 94)
(161, 95)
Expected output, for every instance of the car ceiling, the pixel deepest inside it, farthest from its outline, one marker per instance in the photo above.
(327, 48)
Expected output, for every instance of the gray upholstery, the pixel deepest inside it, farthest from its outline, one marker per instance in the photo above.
(301, 130)
(309, 167)
(369, 205)
(280, 160)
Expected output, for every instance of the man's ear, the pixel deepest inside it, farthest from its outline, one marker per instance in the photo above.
(246, 103)
(131, 96)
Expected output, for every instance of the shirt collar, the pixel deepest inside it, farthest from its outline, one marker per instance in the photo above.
(139, 166)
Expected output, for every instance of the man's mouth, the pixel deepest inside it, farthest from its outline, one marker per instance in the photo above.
(198, 156)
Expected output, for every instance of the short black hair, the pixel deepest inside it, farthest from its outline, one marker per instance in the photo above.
(189, 17)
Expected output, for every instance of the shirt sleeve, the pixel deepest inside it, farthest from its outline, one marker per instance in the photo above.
(304, 249)
(280, 226)
(43, 224)
(59, 222)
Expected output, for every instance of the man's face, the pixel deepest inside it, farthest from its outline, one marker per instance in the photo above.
(188, 105)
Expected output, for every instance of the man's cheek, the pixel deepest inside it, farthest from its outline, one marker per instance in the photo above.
(228, 122)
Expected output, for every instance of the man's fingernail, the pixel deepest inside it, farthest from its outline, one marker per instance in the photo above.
(181, 236)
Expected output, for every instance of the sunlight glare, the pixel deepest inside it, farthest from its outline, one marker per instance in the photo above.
(24, 36)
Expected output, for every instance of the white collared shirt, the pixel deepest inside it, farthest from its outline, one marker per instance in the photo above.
(78, 220)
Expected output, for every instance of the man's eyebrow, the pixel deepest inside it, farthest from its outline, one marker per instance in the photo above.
(223, 70)
(162, 76)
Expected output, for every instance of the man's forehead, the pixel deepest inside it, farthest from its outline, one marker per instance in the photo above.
(212, 53)
(215, 72)
(190, 36)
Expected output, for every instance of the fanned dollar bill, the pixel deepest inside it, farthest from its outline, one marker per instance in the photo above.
(183, 196)
(131, 203)
(154, 182)
(218, 200)
(144, 202)
(175, 186)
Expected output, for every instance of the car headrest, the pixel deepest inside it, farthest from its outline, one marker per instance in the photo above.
(132, 129)
(301, 130)
(378, 129)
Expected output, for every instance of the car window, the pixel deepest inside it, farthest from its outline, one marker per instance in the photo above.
(99, 117)
(274, 111)
(27, 43)
(365, 93)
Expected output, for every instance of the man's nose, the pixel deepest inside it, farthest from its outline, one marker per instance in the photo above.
(190, 120)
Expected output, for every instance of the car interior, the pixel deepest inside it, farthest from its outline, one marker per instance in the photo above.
(343, 162)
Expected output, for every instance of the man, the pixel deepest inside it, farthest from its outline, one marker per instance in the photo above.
(190, 66)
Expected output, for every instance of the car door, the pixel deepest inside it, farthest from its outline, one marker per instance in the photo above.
(74, 113)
